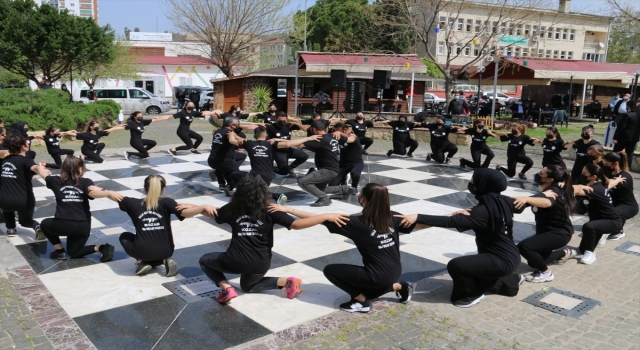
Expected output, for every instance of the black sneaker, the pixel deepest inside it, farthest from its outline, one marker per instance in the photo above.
(522, 177)
(389, 153)
(354, 191)
(364, 152)
(469, 303)
(39, 234)
(107, 251)
(142, 269)
(428, 156)
(356, 306)
(228, 191)
(616, 236)
(406, 292)
(171, 267)
(59, 255)
(126, 155)
(322, 202)
(312, 169)
(12, 232)
(410, 155)
(462, 166)
(172, 152)
(195, 151)
(448, 161)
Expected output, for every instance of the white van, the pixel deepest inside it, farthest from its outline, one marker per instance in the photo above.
(131, 99)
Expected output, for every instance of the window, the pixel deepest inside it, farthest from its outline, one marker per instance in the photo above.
(443, 22)
(503, 28)
(558, 31)
(563, 54)
(525, 52)
(542, 31)
(548, 55)
(511, 26)
(458, 49)
(478, 26)
(185, 81)
(572, 35)
(136, 94)
(527, 30)
(570, 55)
(467, 51)
(550, 33)
(440, 47)
(541, 53)
(509, 50)
(494, 27)
(565, 34)
(555, 53)
(519, 30)
(476, 51)
(451, 21)
(469, 25)
(593, 57)
(460, 24)
(517, 51)
(534, 31)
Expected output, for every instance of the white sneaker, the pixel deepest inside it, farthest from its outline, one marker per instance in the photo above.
(616, 236)
(572, 254)
(603, 240)
(126, 155)
(539, 277)
(588, 258)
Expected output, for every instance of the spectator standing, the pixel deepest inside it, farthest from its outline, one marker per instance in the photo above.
(194, 96)
(180, 96)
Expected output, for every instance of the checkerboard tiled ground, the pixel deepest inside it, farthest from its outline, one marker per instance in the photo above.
(118, 310)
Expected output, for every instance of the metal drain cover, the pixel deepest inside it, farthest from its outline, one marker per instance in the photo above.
(561, 302)
(629, 248)
(193, 289)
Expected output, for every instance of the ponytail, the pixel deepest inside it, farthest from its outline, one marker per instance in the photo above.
(51, 129)
(594, 169)
(153, 185)
(377, 209)
(562, 175)
(620, 158)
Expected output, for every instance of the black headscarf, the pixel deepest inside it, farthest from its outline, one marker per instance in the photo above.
(17, 128)
(489, 183)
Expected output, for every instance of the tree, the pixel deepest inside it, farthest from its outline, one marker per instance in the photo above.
(421, 18)
(7, 77)
(41, 40)
(624, 41)
(232, 31)
(125, 66)
(628, 9)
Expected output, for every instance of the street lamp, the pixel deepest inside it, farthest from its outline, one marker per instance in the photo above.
(634, 88)
(570, 94)
(305, 26)
(481, 70)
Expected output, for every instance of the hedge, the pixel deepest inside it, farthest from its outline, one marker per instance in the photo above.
(43, 108)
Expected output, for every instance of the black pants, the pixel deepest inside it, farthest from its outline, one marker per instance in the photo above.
(592, 231)
(626, 212)
(576, 171)
(142, 146)
(25, 218)
(355, 170)
(401, 148)
(539, 249)
(249, 282)
(223, 175)
(628, 147)
(186, 138)
(510, 171)
(149, 255)
(366, 141)
(438, 154)
(282, 159)
(77, 233)
(93, 154)
(474, 275)
(476, 156)
(355, 281)
(58, 159)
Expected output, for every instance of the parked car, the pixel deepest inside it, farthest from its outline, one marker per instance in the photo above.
(190, 88)
(517, 99)
(206, 100)
(466, 87)
(131, 99)
(499, 96)
(433, 98)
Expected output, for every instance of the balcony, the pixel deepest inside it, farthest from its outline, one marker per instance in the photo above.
(594, 45)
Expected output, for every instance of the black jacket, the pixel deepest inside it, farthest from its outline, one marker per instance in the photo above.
(627, 128)
(457, 107)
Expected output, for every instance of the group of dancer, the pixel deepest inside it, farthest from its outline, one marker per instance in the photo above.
(602, 187)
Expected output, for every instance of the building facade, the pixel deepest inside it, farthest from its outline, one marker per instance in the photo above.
(80, 8)
(275, 53)
(538, 33)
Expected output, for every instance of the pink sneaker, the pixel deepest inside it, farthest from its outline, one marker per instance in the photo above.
(292, 288)
(42, 164)
(226, 295)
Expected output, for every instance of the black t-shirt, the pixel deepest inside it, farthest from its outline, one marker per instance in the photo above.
(53, 143)
(554, 218)
(439, 136)
(153, 227)
(251, 242)
(551, 152)
(360, 129)
(327, 151)
(582, 157)
(261, 157)
(239, 116)
(380, 251)
(599, 203)
(16, 189)
(136, 129)
(72, 202)
(477, 138)
(91, 140)
(221, 149)
(623, 193)
(499, 243)
(350, 153)
(268, 118)
(516, 144)
(310, 121)
(276, 132)
(186, 119)
(401, 131)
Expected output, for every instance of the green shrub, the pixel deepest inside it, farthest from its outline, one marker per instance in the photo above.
(43, 108)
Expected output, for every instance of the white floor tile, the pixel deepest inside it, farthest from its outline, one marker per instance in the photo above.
(137, 182)
(406, 174)
(309, 243)
(181, 168)
(418, 190)
(109, 165)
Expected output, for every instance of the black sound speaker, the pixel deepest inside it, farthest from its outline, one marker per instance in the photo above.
(339, 78)
(382, 79)
(355, 97)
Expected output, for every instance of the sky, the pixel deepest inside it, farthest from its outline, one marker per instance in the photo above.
(150, 15)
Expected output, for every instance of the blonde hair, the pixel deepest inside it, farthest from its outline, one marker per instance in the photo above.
(153, 185)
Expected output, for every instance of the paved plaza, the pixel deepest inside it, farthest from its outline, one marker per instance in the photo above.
(85, 304)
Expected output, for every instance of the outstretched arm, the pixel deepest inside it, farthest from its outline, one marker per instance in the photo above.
(189, 210)
(307, 219)
(298, 142)
(97, 192)
(162, 117)
(117, 127)
(40, 170)
(235, 139)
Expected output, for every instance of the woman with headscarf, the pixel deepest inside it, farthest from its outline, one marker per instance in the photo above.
(493, 268)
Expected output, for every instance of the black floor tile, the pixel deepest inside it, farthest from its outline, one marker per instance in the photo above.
(110, 185)
(461, 200)
(127, 172)
(448, 182)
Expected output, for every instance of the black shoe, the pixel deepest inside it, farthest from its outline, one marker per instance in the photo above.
(389, 153)
(59, 255)
(195, 151)
(12, 232)
(107, 252)
(354, 191)
(462, 166)
(428, 156)
(39, 234)
(410, 155)
(228, 191)
(173, 153)
(126, 155)
(312, 169)
(356, 306)
(364, 152)
(469, 303)
(448, 161)
(406, 292)
(322, 202)
(142, 269)
(171, 267)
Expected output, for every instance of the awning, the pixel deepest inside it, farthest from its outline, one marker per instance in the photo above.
(360, 63)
